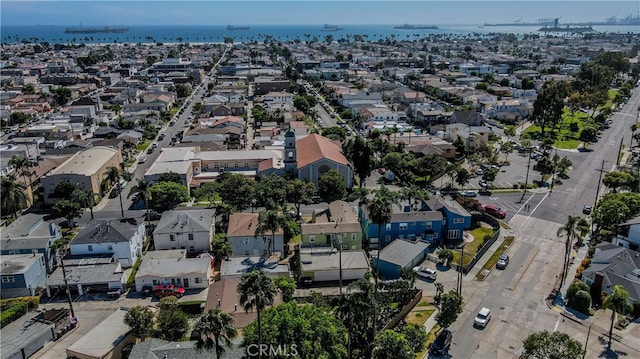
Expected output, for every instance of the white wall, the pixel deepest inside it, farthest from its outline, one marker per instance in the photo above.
(201, 241)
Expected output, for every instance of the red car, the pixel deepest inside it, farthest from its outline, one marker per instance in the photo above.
(168, 290)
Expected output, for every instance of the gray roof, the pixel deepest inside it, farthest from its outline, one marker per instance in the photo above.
(166, 268)
(105, 231)
(18, 263)
(18, 335)
(237, 266)
(187, 221)
(29, 225)
(619, 266)
(160, 349)
(438, 202)
(401, 252)
(102, 338)
(328, 258)
(87, 274)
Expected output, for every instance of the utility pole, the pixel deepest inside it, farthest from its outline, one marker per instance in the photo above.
(460, 272)
(120, 195)
(526, 179)
(553, 176)
(595, 201)
(66, 285)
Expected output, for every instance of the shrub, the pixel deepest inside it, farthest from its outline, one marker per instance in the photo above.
(591, 252)
(15, 311)
(574, 288)
(581, 301)
(586, 263)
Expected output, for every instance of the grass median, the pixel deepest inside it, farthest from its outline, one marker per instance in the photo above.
(486, 269)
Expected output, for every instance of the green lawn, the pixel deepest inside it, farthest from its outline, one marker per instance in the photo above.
(143, 146)
(472, 248)
(494, 257)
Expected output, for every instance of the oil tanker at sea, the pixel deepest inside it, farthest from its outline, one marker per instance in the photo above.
(96, 30)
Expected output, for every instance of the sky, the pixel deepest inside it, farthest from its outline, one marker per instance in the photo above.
(301, 12)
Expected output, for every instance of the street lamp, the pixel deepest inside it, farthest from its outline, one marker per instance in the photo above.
(339, 238)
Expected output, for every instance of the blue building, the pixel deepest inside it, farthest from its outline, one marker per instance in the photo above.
(399, 254)
(420, 225)
(440, 220)
(29, 234)
(22, 274)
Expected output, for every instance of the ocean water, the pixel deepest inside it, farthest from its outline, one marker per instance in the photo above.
(217, 33)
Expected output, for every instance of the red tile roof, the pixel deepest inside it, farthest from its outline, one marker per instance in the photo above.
(315, 147)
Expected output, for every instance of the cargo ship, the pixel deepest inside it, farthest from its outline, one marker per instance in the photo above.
(231, 27)
(96, 30)
(331, 28)
(416, 27)
(567, 28)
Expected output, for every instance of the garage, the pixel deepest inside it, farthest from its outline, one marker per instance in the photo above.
(323, 265)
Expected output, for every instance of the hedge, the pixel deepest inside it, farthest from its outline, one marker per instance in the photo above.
(14, 308)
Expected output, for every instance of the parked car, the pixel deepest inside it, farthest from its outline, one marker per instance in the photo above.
(146, 290)
(142, 160)
(586, 209)
(152, 216)
(150, 150)
(442, 343)
(470, 193)
(65, 224)
(502, 262)
(482, 318)
(114, 192)
(425, 272)
(479, 171)
(168, 290)
(495, 211)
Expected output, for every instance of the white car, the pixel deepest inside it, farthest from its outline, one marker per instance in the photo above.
(425, 272)
(483, 317)
(142, 160)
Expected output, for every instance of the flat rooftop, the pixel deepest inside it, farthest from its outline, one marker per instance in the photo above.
(101, 340)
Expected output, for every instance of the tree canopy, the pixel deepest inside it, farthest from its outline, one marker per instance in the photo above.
(315, 331)
(167, 195)
(140, 320)
(551, 345)
(331, 186)
(450, 307)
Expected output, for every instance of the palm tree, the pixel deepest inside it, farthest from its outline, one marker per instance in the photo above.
(21, 164)
(269, 221)
(415, 193)
(13, 195)
(213, 328)
(379, 210)
(113, 175)
(582, 227)
(256, 290)
(618, 302)
(569, 229)
(143, 188)
(85, 198)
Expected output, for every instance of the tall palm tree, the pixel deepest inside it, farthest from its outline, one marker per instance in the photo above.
(618, 302)
(21, 164)
(143, 188)
(13, 195)
(380, 209)
(269, 221)
(569, 230)
(582, 227)
(215, 328)
(412, 192)
(113, 175)
(256, 290)
(86, 198)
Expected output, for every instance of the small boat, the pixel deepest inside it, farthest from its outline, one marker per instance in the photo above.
(331, 28)
(231, 27)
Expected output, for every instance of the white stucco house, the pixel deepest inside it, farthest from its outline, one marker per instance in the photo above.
(121, 238)
(244, 240)
(173, 267)
(185, 229)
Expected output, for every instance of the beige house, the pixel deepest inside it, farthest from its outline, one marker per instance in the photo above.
(86, 169)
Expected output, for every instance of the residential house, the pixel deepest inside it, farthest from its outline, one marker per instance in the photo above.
(30, 234)
(432, 147)
(264, 85)
(324, 264)
(87, 169)
(612, 265)
(337, 226)
(628, 234)
(245, 240)
(154, 348)
(471, 118)
(185, 229)
(122, 239)
(399, 254)
(471, 136)
(455, 219)
(173, 267)
(22, 274)
(413, 225)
